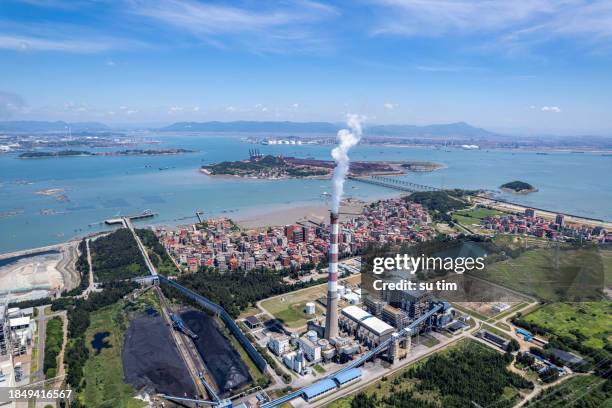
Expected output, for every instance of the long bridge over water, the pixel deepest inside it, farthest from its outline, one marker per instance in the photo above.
(394, 183)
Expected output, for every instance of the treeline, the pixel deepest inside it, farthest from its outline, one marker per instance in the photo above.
(236, 291)
(157, 253)
(24, 304)
(79, 311)
(117, 257)
(598, 360)
(53, 346)
(440, 203)
(404, 398)
(468, 375)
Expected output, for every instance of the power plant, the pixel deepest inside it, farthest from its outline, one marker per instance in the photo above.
(331, 319)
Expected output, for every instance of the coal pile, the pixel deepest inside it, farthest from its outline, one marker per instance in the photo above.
(224, 363)
(151, 360)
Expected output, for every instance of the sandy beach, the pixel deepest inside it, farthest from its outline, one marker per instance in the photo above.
(292, 213)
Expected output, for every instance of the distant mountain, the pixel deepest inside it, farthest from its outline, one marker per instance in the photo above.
(252, 126)
(44, 126)
(460, 129)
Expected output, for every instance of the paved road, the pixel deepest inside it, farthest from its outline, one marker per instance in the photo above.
(91, 287)
(143, 250)
(42, 335)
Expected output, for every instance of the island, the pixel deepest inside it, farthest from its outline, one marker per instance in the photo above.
(518, 187)
(84, 153)
(421, 166)
(261, 166)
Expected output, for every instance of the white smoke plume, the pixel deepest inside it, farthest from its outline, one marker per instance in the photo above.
(348, 138)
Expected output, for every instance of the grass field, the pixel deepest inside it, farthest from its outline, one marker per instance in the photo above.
(591, 320)
(470, 217)
(289, 308)
(295, 316)
(34, 358)
(551, 274)
(503, 326)
(103, 371)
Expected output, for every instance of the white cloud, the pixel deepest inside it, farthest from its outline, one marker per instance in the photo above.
(554, 109)
(390, 105)
(131, 111)
(175, 109)
(230, 109)
(29, 43)
(110, 63)
(508, 25)
(265, 26)
(295, 105)
(196, 108)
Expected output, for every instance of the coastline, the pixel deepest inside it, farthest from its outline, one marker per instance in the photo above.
(518, 208)
(296, 212)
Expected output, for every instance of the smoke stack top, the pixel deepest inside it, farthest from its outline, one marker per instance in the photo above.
(347, 138)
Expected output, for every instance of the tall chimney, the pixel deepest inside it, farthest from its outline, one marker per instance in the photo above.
(331, 319)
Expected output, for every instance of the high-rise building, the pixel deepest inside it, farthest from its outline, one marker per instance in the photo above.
(559, 220)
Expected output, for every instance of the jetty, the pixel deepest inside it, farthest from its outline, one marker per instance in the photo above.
(143, 215)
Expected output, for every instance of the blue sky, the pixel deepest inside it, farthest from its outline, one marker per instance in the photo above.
(530, 66)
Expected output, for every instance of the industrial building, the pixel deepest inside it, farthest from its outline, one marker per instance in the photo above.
(365, 327)
(324, 387)
(279, 344)
(500, 307)
(295, 361)
(397, 318)
(494, 339)
(415, 302)
(22, 329)
(312, 350)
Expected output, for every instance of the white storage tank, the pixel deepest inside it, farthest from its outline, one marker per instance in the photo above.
(312, 336)
(341, 290)
(310, 308)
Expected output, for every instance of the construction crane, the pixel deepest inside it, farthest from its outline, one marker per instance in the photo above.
(179, 325)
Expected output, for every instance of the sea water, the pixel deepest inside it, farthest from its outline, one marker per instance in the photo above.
(102, 187)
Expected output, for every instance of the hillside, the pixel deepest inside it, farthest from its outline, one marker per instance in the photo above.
(459, 129)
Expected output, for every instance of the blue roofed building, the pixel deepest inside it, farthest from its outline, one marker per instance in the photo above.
(348, 376)
(319, 389)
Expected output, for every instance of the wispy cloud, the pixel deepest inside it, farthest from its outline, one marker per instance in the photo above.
(390, 106)
(27, 43)
(507, 24)
(554, 109)
(60, 37)
(262, 26)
